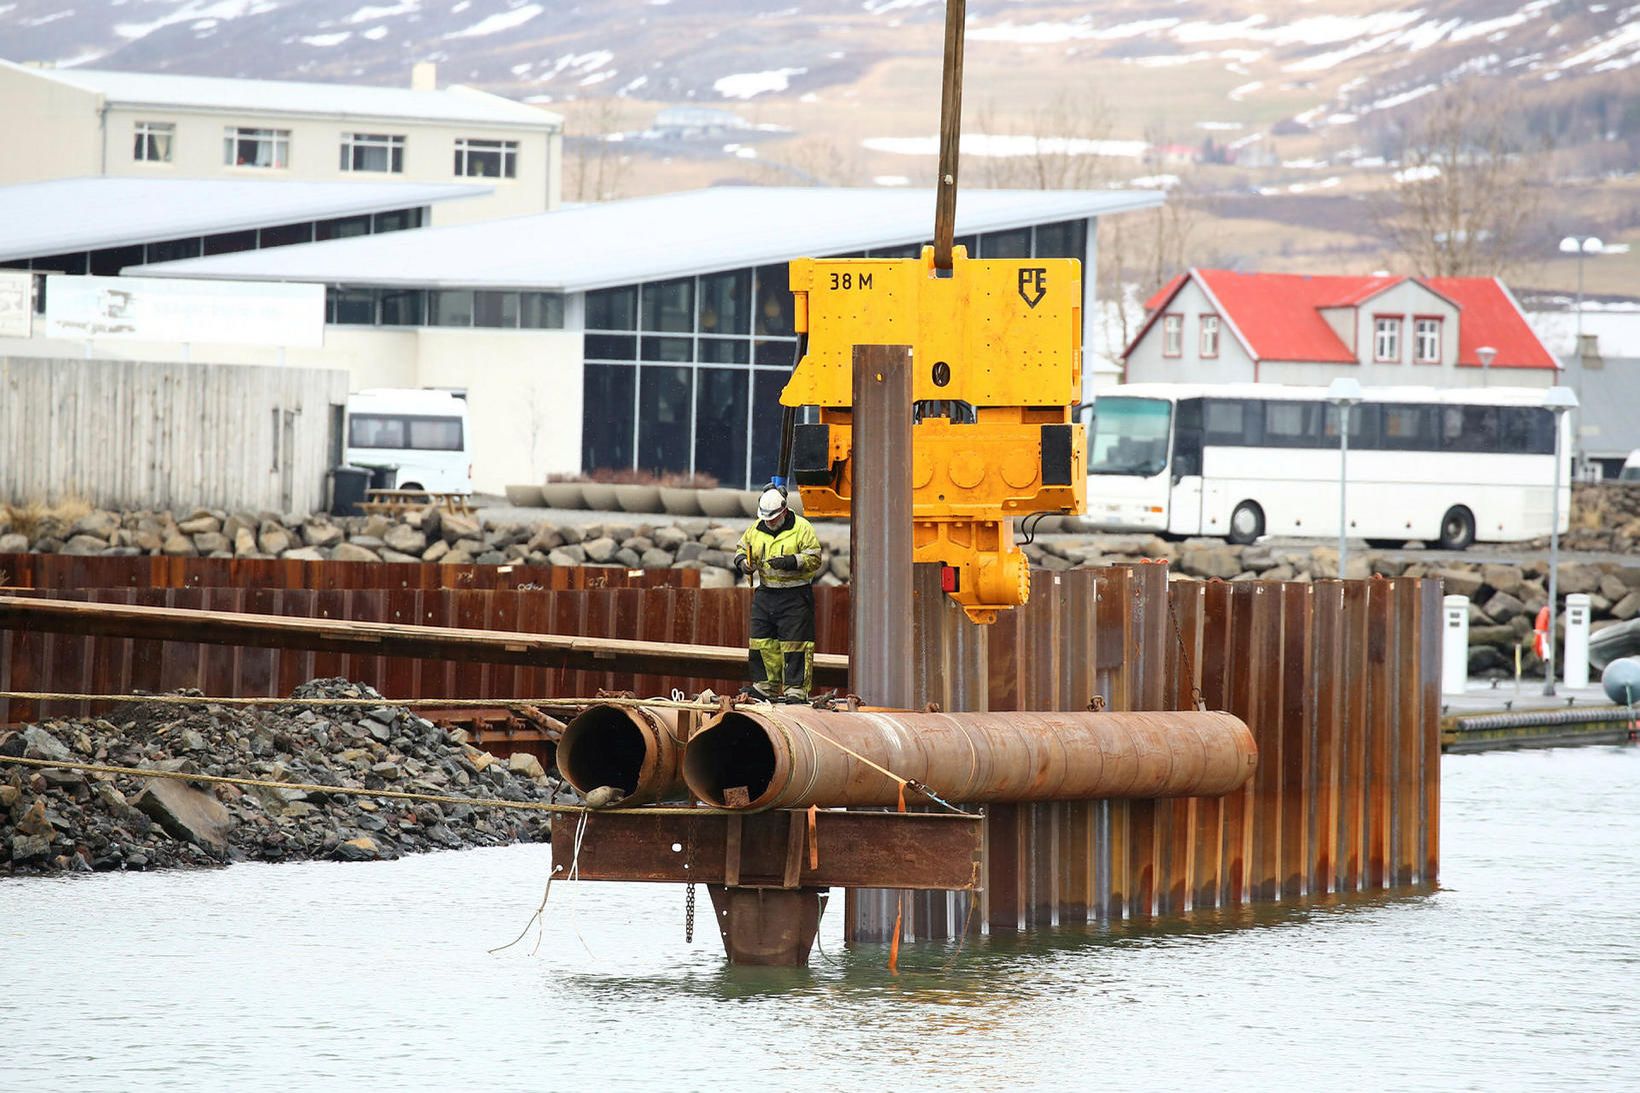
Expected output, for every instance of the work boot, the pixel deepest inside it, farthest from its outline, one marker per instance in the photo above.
(756, 693)
(795, 697)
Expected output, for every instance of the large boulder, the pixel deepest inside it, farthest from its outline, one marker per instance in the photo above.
(84, 545)
(1219, 561)
(177, 545)
(13, 543)
(272, 538)
(351, 552)
(1503, 607)
(1459, 582)
(405, 540)
(453, 526)
(101, 523)
(1502, 578)
(185, 813)
(319, 534)
(601, 549)
(200, 524)
(209, 542)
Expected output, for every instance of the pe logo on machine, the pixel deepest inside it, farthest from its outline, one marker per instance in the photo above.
(1033, 285)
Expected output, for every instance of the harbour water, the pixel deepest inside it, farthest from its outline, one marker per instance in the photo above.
(1521, 972)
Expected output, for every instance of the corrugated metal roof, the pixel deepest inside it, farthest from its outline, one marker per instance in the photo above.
(650, 238)
(450, 104)
(76, 214)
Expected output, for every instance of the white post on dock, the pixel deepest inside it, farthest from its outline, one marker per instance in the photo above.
(1577, 640)
(1454, 644)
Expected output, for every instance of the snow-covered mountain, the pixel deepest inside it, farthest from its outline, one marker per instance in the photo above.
(727, 50)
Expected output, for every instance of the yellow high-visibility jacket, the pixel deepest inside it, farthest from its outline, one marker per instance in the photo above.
(757, 546)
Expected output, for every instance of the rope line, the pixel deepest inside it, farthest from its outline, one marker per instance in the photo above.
(207, 700)
(353, 791)
(904, 783)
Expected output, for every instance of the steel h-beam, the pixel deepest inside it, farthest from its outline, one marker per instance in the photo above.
(881, 655)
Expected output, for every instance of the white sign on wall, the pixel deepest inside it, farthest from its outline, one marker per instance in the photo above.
(190, 312)
(16, 304)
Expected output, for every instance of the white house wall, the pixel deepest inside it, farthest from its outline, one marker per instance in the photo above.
(1407, 301)
(1146, 364)
(50, 129)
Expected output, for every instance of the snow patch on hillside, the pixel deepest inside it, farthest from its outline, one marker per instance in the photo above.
(746, 85)
(495, 24)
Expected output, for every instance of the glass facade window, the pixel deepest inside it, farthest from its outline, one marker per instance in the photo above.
(540, 310)
(607, 394)
(721, 401)
(342, 227)
(486, 158)
(350, 306)
(174, 250)
(256, 147)
(666, 417)
(669, 305)
(724, 350)
(652, 348)
(450, 307)
(403, 308)
(285, 235)
(774, 302)
(1006, 244)
(230, 242)
(612, 347)
(725, 303)
(498, 309)
(154, 140)
(396, 221)
(380, 152)
(613, 309)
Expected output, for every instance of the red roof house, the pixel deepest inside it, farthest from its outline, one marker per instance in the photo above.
(1213, 325)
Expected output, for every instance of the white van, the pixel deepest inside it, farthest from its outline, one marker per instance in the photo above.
(422, 434)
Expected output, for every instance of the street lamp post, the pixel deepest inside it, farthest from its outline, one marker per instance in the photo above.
(1487, 355)
(1580, 245)
(1559, 400)
(1344, 392)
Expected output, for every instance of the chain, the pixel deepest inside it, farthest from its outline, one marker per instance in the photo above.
(1184, 653)
(689, 889)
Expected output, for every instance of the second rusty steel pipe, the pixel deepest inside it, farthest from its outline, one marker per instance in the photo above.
(636, 749)
(791, 757)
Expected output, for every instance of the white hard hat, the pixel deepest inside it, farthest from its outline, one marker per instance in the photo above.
(771, 504)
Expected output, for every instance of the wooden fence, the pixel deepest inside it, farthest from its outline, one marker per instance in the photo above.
(129, 434)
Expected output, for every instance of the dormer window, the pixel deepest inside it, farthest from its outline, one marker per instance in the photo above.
(1210, 336)
(1427, 341)
(1386, 339)
(1172, 335)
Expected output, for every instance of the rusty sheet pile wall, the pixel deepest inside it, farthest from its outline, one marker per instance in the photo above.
(1339, 683)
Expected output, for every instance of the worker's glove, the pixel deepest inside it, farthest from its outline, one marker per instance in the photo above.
(740, 565)
(784, 561)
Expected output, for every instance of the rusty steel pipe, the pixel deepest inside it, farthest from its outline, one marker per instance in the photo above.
(636, 749)
(790, 757)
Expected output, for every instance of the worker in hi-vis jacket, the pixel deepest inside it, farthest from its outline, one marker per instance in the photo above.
(782, 554)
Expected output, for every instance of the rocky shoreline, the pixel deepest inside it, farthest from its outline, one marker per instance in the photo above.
(1503, 597)
(54, 820)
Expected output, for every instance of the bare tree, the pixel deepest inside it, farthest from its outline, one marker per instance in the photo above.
(1466, 196)
(595, 167)
(1055, 140)
(811, 161)
(1139, 252)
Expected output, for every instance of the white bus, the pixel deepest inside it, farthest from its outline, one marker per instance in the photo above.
(422, 435)
(1448, 467)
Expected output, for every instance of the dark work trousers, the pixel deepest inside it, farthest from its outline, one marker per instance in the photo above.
(782, 639)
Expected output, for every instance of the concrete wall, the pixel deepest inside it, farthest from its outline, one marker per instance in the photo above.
(51, 130)
(1146, 364)
(523, 386)
(126, 434)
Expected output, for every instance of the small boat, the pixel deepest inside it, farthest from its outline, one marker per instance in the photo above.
(1614, 643)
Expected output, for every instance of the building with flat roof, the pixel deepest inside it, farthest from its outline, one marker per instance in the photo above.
(80, 123)
(654, 333)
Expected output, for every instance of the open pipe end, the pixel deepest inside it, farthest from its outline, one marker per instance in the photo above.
(606, 746)
(734, 751)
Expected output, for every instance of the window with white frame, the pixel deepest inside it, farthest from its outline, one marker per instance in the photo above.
(153, 143)
(1386, 339)
(256, 147)
(1427, 344)
(486, 158)
(1210, 336)
(1172, 335)
(373, 152)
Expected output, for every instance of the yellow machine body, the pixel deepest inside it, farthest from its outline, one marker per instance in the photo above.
(996, 366)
